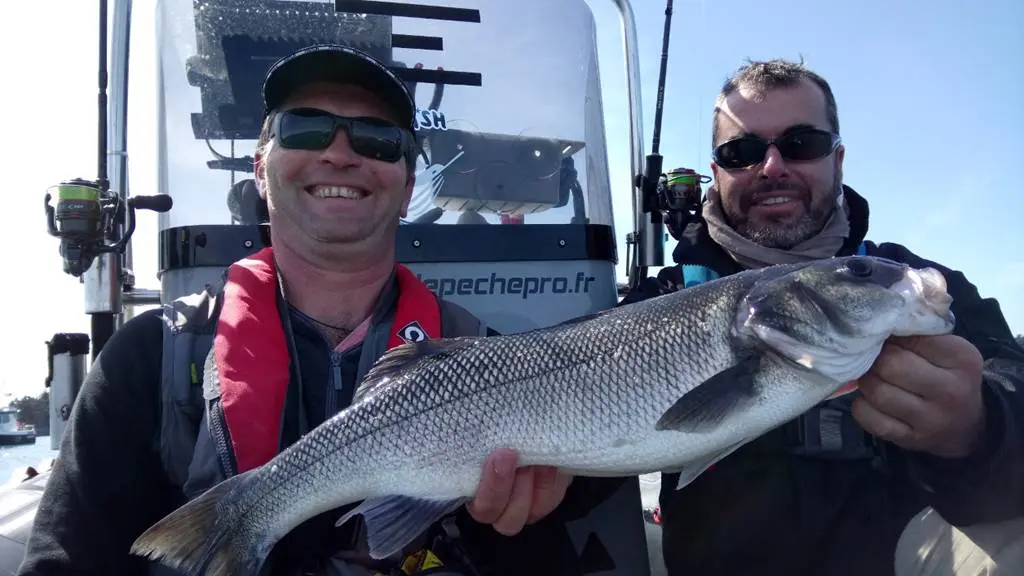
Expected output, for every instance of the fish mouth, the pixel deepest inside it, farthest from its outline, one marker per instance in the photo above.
(928, 309)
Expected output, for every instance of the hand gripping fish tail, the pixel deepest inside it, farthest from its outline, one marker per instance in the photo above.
(673, 383)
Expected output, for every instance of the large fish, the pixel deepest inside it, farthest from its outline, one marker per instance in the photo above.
(673, 383)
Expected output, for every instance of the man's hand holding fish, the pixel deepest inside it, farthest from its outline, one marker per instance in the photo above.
(281, 355)
(924, 394)
(918, 468)
(509, 498)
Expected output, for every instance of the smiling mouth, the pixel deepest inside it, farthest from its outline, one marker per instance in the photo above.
(337, 192)
(774, 201)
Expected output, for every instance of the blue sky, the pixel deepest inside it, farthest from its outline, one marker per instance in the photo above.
(929, 97)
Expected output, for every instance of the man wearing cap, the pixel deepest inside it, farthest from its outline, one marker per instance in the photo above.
(218, 382)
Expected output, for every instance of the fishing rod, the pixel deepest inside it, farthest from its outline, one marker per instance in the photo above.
(650, 246)
(88, 217)
(660, 103)
(101, 168)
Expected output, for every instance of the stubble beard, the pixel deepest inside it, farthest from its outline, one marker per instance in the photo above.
(786, 235)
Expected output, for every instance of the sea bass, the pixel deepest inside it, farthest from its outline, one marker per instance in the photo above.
(673, 383)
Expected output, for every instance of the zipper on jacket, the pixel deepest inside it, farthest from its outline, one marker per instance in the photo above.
(334, 387)
(221, 441)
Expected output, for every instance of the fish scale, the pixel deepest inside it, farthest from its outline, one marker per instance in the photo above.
(441, 400)
(673, 383)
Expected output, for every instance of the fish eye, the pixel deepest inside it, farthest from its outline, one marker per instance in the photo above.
(860, 267)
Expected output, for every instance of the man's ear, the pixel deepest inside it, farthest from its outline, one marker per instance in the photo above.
(409, 185)
(260, 174)
(840, 153)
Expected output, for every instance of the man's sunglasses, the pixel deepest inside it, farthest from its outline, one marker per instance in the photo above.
(314, 129)
(799, 145)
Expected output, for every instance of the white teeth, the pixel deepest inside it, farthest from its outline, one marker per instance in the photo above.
(776, 200)
(337, 192)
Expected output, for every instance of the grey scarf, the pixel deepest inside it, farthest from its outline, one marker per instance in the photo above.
(825, 244)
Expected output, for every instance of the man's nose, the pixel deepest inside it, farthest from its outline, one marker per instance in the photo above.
(339, 152)
(774, 165)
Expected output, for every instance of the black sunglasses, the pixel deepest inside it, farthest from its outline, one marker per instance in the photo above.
(314, 129)
(798, 145)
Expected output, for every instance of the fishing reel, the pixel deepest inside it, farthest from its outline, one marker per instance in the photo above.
(679, 196)
(86, 219)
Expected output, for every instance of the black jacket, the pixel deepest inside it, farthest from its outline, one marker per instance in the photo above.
(109, 485)
(767, 511)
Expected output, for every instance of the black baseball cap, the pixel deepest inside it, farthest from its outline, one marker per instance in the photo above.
(336, 63)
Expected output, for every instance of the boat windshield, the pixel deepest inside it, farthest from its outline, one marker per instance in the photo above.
(510, 117)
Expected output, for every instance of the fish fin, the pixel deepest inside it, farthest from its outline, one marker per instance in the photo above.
(691, 471)
(848, 388)
(714, 399)
(394, 361)
(392, 522)
(585, 317)
(200, 537)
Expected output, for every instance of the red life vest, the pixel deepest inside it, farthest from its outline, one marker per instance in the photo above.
(252, 354)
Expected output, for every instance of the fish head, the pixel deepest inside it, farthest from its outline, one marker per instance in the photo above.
(832, 316)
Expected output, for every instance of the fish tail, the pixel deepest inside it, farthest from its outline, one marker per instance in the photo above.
(204, 536)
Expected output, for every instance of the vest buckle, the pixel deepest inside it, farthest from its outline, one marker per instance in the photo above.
(830, 432)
